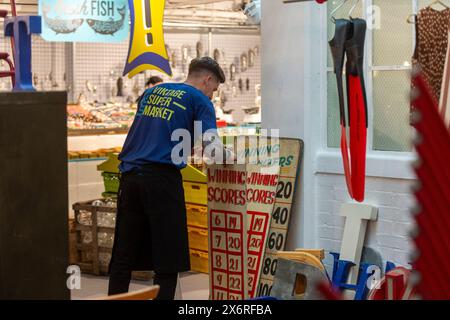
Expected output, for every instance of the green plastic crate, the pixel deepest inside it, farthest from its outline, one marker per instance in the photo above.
(111, 181)
(111, 164)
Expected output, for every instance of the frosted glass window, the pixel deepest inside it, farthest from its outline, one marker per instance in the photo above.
(393, 40)
(424, 3)
(391, 129)
(388, 92)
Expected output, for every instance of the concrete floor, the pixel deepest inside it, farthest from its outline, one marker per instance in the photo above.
(194, 286)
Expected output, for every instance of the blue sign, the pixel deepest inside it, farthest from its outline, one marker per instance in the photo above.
(21, 28)
(84, 20)
(341, 270)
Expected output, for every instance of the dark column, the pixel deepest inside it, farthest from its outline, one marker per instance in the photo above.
(33, 196)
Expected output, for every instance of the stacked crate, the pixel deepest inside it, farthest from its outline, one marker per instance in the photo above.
(94, 225)
(195, 192)
(93, 255)
(110, 174)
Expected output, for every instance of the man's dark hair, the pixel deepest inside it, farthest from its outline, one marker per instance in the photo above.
(153, 80)
(208, 64)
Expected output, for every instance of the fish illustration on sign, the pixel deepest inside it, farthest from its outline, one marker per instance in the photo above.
(60, 26)
(147, 48)
(110, 26)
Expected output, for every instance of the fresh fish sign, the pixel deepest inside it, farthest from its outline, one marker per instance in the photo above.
(147, 48)
(108, 27)
(84, 20)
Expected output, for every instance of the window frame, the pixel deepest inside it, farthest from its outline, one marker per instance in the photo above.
(389, 164)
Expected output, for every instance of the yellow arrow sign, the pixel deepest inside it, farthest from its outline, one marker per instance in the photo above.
(147, 49)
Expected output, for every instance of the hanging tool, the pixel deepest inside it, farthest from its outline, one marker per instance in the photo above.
(120, 86)
(333, 19)
(216, 55)
(244, 62)
(251, 58)
(199, 49)
(349, 41)
(232, 72)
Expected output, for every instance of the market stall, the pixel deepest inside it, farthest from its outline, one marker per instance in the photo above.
(318, 112)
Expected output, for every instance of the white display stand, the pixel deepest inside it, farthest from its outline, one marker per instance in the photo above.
(290, 151)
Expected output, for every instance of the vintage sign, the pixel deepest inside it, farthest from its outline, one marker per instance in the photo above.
(357, 217)
(395, 285)
(285, 153)
(84, 20)
(147, 48)
(289, 285)
(227, 222)
(261, 191)
(240, 202)
(21, 29)
(290, 152)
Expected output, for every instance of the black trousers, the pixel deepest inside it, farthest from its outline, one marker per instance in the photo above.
(151, 229)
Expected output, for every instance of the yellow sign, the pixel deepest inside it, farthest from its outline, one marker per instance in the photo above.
(147, 48)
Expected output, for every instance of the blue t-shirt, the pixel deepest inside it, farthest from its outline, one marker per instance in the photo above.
(162, 110)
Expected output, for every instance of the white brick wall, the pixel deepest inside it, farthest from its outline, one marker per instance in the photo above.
(389, 235)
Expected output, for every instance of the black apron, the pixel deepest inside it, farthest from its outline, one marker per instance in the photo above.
(151, 226)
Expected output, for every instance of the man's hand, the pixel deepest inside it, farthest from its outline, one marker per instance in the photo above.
(215, 152)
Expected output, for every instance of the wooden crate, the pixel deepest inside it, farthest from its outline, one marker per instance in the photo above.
(72, 242)
(88, 254)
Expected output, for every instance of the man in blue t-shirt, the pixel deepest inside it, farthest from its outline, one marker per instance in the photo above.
(151, 229)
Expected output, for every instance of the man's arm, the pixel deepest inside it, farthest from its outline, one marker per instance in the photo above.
(214, 150)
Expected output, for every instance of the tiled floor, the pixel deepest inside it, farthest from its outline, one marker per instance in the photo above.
(194, 286)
